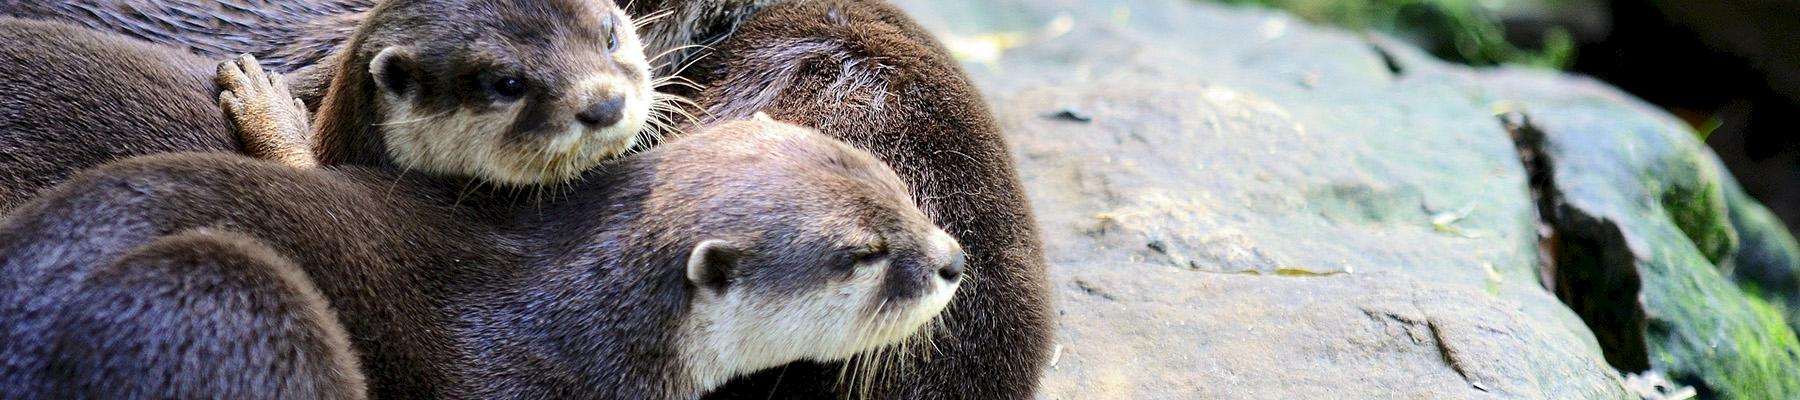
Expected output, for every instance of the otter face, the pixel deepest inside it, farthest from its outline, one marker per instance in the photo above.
(840, 262)
(520, 92)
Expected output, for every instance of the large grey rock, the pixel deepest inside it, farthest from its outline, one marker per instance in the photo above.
(1238, 205)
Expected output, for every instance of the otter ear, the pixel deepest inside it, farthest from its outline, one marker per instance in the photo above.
(392, 69)
(710, 265)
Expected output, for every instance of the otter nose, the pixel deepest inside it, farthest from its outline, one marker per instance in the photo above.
(953, 270)
(604, 113)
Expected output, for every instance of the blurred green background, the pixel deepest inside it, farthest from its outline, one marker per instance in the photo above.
(1468, 31)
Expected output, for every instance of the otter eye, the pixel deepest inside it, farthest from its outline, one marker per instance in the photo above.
(871, 254)
(612, 34)
(506, 88)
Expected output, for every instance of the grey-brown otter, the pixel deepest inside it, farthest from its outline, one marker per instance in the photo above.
(297, 37)
(913, 107)
(508, 91)
(863, 72)
(551, 88)
(660, 276)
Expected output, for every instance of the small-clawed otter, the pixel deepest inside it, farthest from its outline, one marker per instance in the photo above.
(515, 92)
(858, 70)
(296, 36)
(660, 276)
(863, 72)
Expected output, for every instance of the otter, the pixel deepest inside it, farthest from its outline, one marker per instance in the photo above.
(514, 92)
(864, 72)
(659, 276)
(296, 37)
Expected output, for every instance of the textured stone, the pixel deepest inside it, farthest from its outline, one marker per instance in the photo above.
(1239, 205)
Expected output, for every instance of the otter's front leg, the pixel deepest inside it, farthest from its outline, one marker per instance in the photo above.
(271, 122)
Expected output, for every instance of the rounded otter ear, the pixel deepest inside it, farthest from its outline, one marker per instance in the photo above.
(710, 265)
(392, 69)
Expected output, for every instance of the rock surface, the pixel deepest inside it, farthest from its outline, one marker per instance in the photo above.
(1638, 189)
(1238, 205)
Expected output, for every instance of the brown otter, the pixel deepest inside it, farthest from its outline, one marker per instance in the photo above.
(509, 91)
(296, 37)
(861, 71)
(906, 100)
(660, 276)
(534, 91)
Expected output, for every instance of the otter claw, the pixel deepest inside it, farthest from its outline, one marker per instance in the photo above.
(271, 122)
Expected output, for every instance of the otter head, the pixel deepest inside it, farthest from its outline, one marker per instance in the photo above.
(808, 249)
(509, 91)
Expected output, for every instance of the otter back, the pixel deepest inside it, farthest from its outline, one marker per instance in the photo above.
(73, 98)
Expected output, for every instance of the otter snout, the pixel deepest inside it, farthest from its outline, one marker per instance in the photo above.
(952, 270)
(604, 113)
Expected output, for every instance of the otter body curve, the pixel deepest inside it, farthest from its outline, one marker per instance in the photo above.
(64, 96)
(634, 286)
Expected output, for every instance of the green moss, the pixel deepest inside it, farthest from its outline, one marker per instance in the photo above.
(1471, 32)
(1708, 332)
(1697, 207)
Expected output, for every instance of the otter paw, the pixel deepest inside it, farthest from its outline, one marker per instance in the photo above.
(271, 122)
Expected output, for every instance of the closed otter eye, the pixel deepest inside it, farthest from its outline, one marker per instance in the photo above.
(870, 254)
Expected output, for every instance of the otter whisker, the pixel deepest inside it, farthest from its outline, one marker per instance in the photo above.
(873, 373)
(389, 193)
(689, 64)
(651, 17)
(865, 330)
(666, 108)
(415, 120)
(666, 53)
(677, 82)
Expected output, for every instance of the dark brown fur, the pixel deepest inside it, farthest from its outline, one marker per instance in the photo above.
(192, 315)
(905, 99)
(444, 291)
(287, 36)
(576, 297)
(60, 108)
(296, 37)
(861, 71)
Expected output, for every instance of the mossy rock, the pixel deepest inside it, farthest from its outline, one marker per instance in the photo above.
(1636, 186)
